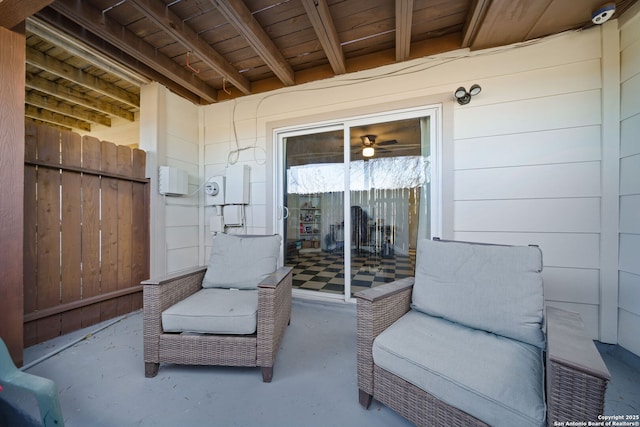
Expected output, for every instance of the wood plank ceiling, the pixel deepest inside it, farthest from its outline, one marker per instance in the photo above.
(86, 60)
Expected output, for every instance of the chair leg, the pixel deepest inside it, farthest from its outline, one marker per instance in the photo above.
(267, 374)
(151, 369)
(365, 399)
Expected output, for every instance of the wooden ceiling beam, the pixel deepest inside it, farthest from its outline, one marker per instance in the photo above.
(40, 122)
(243, 21)
(100, 24)
(76, 97)
(74, 111)
(476, 14)
(370, 61)
(13, 12)
(404, 15)
(78, 76)
(160, 15)
(84, 51)
(55, 118)
(72, 29)
(320, 17)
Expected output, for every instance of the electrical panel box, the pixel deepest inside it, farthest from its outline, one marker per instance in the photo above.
(237, 185)
(233, 215)
(173, 181)
(216, 224)
(214, 191)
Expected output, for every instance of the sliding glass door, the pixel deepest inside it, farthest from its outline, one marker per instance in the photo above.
(356, 196)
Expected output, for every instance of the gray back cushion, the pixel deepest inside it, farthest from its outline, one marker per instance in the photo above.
(241, 262)
(494, 288)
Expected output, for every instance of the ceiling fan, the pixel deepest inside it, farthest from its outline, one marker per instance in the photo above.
(369, 144)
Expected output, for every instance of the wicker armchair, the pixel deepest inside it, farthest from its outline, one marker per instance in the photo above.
(250, 350)
(576, 377)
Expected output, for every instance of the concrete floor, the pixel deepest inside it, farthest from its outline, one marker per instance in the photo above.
(101, 381)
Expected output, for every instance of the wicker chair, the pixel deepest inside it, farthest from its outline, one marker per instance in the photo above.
(576, 377)
(249, 350)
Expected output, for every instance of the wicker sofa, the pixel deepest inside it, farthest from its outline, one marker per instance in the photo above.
(174, 337)
(478, 381)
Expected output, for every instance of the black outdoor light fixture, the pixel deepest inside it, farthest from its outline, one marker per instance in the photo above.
(463, 96)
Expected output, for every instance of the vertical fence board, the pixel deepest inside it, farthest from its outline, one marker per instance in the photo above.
(86, 231)
(30, 292)
(109, 228)
(30, 262)
(30, 141)
(90, 230)
(140, 228)
(71, 221)
(125, 195)
(48, 223)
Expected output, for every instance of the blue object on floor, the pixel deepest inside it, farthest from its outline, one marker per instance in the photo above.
(43, 389)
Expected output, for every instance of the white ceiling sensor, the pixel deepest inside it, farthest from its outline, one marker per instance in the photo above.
(603, 13)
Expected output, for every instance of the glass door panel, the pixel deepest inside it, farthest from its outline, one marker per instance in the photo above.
(313, 197)
(388, 198)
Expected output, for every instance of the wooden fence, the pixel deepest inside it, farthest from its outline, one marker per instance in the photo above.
(86, 231)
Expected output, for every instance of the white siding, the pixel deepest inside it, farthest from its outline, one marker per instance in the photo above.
(528, 171)
(629, 275)
(170, 136)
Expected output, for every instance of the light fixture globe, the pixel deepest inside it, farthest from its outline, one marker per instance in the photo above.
(463, 97)
(460, 92)
(368, 152)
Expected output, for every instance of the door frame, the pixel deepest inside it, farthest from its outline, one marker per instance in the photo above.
(435, 111)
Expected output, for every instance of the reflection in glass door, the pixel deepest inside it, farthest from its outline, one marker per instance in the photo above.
(340, 242)
(313, 197)
(388, 196)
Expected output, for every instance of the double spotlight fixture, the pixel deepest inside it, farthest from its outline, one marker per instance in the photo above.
(463, 96)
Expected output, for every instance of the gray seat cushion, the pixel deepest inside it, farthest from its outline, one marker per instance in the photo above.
(214, 311)
(495, 379)
(494, 288)
(241, 262)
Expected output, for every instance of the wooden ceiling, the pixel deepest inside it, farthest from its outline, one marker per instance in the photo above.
(86, 60)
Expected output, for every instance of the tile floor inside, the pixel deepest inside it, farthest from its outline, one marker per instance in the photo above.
(324, 271)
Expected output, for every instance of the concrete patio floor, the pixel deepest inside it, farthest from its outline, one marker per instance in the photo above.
(100, 379)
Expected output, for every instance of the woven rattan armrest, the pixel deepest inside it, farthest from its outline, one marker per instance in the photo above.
(577, 376)
(274, 314)
(377, 309)
(158, 295)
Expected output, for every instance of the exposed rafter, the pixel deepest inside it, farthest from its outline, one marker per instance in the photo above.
(72, 29)
(55, 118)
(95, 21)
(404, 15)
(52, 104)
(320, 17)
(243, 21)
(76, 97)
(476, 14)
(157, 12)
(78, 76)
(82, 50)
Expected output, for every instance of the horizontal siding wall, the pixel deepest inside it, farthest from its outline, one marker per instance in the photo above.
(182, 212)
(525, 164)
(629, 280)
(527, 170)
(170, 135)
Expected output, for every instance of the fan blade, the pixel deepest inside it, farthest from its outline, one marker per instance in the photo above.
(388, 142)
